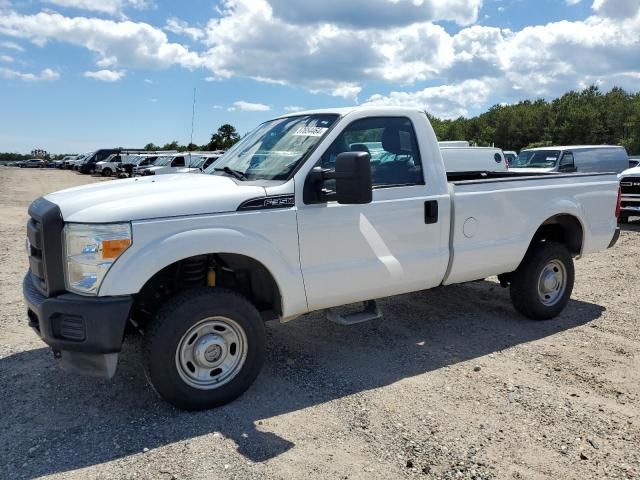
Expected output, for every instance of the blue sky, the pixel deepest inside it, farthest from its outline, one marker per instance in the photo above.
(76, 75)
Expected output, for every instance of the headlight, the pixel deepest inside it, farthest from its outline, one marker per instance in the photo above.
(90, 251)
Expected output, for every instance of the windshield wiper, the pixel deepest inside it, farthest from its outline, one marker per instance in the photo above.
(234, 173)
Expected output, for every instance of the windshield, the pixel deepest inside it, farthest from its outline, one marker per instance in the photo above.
(88, 157)
(162, 161)
(274, 149)
(197, 162)
(536, 159)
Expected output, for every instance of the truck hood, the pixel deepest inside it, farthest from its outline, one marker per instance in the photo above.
(635, 171)
(152, 197)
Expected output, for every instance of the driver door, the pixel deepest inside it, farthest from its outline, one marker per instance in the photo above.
(351, 253)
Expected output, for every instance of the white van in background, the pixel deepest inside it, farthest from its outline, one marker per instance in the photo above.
(473, 159)
(577, 158)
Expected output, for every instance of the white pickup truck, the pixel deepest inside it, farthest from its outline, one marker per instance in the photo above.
(294, 218)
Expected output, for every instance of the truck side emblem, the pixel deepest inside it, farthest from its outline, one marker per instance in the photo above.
(275, 201)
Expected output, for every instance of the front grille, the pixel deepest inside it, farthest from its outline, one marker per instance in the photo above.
(44, 233)
(630, 186)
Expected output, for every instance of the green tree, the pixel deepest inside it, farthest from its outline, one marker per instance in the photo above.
(171, 146)
(152, 147)
(224, 138)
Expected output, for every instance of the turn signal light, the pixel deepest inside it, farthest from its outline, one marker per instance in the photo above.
(113, 248)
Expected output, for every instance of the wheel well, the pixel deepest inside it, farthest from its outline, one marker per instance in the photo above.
(565, 229)
(240, 273)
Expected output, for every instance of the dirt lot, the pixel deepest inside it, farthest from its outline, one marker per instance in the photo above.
(451, 384)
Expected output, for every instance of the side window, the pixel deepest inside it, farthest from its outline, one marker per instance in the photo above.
(178, 162)
(567, 161)
(391, 142)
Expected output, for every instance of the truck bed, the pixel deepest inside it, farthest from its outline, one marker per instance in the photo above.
(495, 216)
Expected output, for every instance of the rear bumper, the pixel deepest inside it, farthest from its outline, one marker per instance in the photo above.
(86, 333)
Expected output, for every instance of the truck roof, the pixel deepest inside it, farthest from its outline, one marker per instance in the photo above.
(571, 147)
(347, 110)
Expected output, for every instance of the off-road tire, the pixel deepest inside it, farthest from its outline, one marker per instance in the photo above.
(174, 319)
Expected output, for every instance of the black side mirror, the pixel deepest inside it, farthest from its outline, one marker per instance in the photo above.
(353, 178)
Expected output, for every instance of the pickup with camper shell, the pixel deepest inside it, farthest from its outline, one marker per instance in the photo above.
(296, 217)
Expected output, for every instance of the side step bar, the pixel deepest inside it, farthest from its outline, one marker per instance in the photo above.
(370, 311)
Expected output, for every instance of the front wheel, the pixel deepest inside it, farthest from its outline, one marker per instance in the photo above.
(542, 284)
(106, 172)
(204, 348)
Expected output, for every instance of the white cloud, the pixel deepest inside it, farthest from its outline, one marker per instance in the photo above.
(446, 101)
(148, 80)
(572, 2)
(293, 108)
(6, 58)
(153, 100)
(111, 7)
(123, 44)
(180, 27)
(106, 75)
(616, 8)
(377, 13)
(45, 75)
(249, 107)
(12, 46)
(216, 107)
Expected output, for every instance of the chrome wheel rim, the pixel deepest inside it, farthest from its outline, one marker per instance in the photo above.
(552, 283)
(211, 353)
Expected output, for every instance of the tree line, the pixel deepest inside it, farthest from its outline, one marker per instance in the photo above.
(587, 117)
(222, 139)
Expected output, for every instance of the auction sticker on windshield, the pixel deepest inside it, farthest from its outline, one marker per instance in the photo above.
(310, 131)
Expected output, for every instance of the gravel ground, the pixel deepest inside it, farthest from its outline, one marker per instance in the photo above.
(451, 384)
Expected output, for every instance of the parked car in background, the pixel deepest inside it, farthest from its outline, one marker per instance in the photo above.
(165, 161)
(197, 164)
(510, 156)
(630, 191)
(577, 158)
(141, 161)
(33, 163)
(109, 166)
(89, 163)
(634, 161)
(473, 159)
(67, 161)
(289, 221)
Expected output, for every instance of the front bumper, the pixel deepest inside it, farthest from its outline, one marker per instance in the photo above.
(85, 333)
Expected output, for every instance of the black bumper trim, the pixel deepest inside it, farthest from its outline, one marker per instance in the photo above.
(616, 236)
(104, 319)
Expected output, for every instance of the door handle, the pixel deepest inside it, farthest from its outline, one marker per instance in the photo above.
(431, 211)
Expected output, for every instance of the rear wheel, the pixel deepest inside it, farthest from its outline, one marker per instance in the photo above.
(204, 348)
(542, 284)
(623, 220)
(106, 172)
